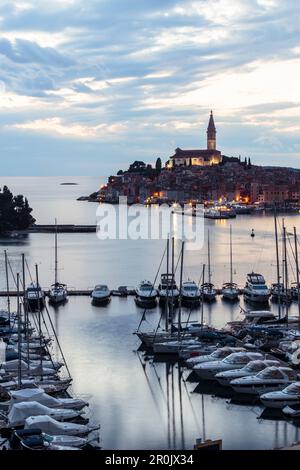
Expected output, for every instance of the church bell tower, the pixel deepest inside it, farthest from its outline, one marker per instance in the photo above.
(211, 134)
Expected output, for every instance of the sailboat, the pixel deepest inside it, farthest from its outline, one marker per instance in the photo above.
(58, 292)
(208, 290)
(230, 290)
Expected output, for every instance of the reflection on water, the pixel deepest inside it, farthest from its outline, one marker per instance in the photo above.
(142, 403)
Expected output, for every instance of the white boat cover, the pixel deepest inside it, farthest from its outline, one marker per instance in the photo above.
(20, 411)
(61, 440)
(39, 395)
(51, 426)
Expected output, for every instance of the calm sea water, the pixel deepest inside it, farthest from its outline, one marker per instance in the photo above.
(141, 404)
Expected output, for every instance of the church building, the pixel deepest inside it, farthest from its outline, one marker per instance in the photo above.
(203, 157)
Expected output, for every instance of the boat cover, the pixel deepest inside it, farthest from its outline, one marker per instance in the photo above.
(39, 395)
(51, 426)
(20, 411)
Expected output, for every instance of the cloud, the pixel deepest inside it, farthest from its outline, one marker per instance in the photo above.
(151, 71)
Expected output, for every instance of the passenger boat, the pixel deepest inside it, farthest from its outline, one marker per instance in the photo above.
(268, 380)
(289, 396)
(208, 370)
(101, 294)
(256, 290)
(146, 294)
(253, 367)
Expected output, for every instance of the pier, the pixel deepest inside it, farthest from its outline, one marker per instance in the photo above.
(51, 228)
(121, 292)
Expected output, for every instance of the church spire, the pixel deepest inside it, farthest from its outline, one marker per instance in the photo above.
(211, 133)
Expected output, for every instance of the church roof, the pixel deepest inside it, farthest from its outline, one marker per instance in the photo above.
(181, 153)
(211, 124)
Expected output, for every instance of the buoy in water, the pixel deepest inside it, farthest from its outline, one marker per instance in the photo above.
(252, 233)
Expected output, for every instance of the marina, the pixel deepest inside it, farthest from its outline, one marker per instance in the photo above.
(109, 366)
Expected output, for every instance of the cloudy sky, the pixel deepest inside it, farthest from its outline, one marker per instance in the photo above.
(87, 86)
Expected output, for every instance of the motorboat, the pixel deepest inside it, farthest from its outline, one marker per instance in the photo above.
(190, 292)
(173, 347)
(217, 355)
(295, 289)
(280, 294)
(40, 396)
(35, 439)
(230, 291)
(289, 396)
(256, 290)
(194, 351)
(259, 316)
(100, 294)
(268, 380)
(146, 294)
(19, 412)
(237, 360)
(253, 367)
(208, 292)
(167, 289)
(58, 293)
(51, 426)
(34, 296)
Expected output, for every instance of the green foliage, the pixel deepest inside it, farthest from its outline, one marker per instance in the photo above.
(15, 213)
(158, 164)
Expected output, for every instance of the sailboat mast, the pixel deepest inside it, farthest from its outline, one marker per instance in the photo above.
(55, 279)
(297, 269)
(285, 273)
(277, 263)
(7, 284)
(231, 275)
(39, 318)
(180, 291)
(26, 322)
(202, 296)
(208, 257)
(172, 287)
(19, 333)
(167, 296)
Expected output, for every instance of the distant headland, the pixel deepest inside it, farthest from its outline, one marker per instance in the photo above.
(202, 175)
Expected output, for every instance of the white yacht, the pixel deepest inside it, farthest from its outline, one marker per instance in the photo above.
(190, 293)
(35, 296)
(279, 399)
(167, 289)
(145, 293)
(217, 355)
(101, 294)
(173, 347)
(253, 367)
(230, 289)
(208, 292)
(269, 379)
(58, 291)
(256, 289)
(208, 370)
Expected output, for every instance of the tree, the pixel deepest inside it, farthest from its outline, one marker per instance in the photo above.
(158, 164)
(120, 172)
(249, 162)
(15, 213)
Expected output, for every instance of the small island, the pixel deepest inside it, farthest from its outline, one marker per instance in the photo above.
(15, 212)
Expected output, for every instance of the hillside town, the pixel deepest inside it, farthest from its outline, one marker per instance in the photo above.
(203, 176)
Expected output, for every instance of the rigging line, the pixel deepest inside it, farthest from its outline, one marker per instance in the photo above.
(294, 257)
(28, 270)
(58, 343)
(153, 286)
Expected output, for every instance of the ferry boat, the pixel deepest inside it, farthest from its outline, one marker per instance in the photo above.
(256, 289)
(101, 294)
(145, 294)
(35, 296)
